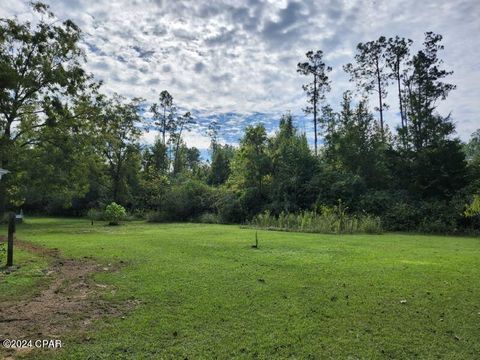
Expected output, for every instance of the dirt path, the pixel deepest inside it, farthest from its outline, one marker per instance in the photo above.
(69, 303)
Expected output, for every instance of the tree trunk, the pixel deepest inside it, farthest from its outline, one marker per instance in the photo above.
(164, 125)
(401, 106)
(380, 100)
(116, 179)
(402, 116)
(177, 148)
(4, 154)
(315, 110)
(11, 231)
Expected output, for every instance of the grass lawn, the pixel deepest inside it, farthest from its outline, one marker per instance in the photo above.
(204, 293)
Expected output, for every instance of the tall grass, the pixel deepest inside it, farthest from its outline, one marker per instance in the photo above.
(328, 221)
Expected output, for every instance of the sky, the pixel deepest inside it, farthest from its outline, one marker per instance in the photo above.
(235, 61)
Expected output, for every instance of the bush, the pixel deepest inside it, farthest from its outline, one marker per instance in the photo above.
(185, 201)
(157, 216)
(440, 217)
(114, 213)
(370, 225)
(96, 214)
(229, 207)
(329, 220)
(3, 252)
(209, 218)
(402, 216)
(473, 209)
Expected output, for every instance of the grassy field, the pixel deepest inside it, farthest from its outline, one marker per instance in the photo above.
(204, 293)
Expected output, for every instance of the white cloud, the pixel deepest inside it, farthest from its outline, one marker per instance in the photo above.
(240, 56)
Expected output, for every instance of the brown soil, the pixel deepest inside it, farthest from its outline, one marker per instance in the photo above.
(69, 303)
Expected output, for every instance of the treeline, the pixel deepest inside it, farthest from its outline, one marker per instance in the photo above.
(72, 149)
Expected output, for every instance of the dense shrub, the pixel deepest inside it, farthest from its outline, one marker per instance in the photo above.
(473, 209)
(229, 207)
(96, 214)
(328, 221)
(3, 252)
(439, 217)
(114, 213)
(184, 201)
(401, 216)
(157, 216)
(209, 218)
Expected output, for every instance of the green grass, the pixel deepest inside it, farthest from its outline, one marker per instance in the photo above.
(24, 281)
(205, 293)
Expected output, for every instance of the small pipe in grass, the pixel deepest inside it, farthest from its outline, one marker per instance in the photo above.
(256, 241)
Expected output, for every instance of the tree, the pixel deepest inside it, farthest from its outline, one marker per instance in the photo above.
(355, 144)
(315, 90)
(222, 156)
(120, 132)
(163, 113)
(212, 132)
(397, 54)
(156, 156)
(250, 169)
(42, 74)
(53, 167)
(472, 148)
(293, 166)
(192, 160)
(437, 171)
(369, 72)
(425, 87)
(473, 209)
(472, 154)
(182, 123)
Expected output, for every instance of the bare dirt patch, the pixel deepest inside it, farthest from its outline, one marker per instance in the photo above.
(69, 303)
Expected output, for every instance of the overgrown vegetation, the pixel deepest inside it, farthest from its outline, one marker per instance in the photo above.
(71, 148)
(327, 221)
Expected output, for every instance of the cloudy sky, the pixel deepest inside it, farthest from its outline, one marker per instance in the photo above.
(236, 60)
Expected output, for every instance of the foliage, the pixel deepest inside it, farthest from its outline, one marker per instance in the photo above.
(473, 209)
(96, 214)
(186, 200)
(250, 177)
(329, 220)
(230, 207)
(220, 168)
(114, 213)
(354, 144)
(402, 216)
(370, 73)
(157, 216)
(425, 86)
(42, 85)
(209, 218)
(152, 189)
(3, 251)
(396, 55)
(472, 148)
(292, 168)
(163, 114)
(120, 132)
